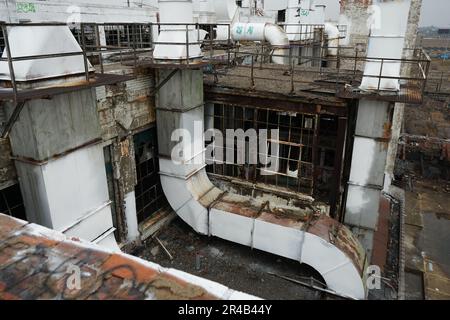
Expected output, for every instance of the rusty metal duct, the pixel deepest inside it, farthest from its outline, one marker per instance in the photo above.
(307, 237)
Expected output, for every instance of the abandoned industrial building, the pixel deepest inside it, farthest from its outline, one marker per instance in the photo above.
(297, 176)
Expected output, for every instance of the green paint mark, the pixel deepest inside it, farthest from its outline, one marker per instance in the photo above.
(23, 7)
(250, 30)
(304, 13)
(239, 30)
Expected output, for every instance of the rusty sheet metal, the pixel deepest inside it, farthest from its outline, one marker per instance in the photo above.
(34, 263)
(411, 95)
(269, 100)
(446, 151)
(322, 226)
(340, 236)
(281, 220)
(239, 205)
(97, 80)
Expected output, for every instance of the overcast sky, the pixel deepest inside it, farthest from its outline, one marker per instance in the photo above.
(434, 12)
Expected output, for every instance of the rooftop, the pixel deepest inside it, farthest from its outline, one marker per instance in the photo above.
(37, 263)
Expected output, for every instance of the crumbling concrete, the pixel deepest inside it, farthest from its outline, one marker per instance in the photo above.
(8, 173)
(355, 14)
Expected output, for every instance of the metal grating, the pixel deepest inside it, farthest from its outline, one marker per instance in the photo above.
(296, 138)
(149, 194)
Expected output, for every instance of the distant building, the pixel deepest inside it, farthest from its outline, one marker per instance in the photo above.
(444, 32)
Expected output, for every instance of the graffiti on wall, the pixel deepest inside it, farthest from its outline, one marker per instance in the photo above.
(25, 7)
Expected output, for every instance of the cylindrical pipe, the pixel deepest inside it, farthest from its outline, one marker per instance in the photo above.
(264, 32)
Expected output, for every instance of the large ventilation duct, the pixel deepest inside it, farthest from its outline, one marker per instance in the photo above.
(386, 41)
(290, 232)
(370, 151)
(56, 143)
(47, 40)
(177, 13)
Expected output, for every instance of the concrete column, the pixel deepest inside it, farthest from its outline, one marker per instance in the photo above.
(125, 173)
(355, 14)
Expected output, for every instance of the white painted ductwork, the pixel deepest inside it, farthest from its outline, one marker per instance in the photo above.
(227, 13)
(333, 35)
(44, 40)
(269, 32)
(56, 142)
(177, 12)
(387, 41)
(316, 240)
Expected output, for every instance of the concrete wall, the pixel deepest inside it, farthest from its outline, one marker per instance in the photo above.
(126, 106)
(355, 14)
(88, 11)
(8, 173)
(125, 109)
(70, 121)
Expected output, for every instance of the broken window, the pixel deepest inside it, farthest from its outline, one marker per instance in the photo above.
(298, 167)
(128, 35)
(295, 155)
(11, 202)
(2, 43)
(149, 194)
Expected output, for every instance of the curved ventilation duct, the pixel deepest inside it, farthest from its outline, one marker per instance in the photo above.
(263, 32)
(290, 232)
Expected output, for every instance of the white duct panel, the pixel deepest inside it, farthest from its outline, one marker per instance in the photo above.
(390, 18)
(373, 119)
(362, 207)
(109, 241)
(231, 227)
(318, 16)
(91, 227)
(188, 193)
(177, 12)
(75, 201)
(279, 240)
(334, 266)
(368, 162)
(383, 47)
(386, 41)
(176, 51)
(74, 193)
(225, 10)
(42, 40)
(275, 5)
